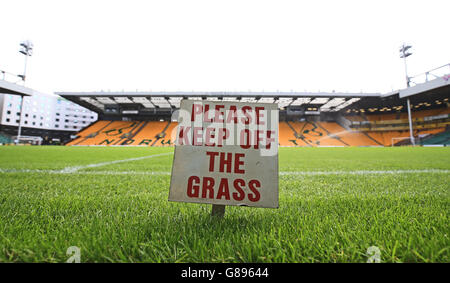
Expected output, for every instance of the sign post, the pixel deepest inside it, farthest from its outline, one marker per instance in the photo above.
(218, 210)
(226, 153)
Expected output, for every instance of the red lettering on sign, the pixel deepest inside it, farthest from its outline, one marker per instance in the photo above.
(193, 191)
(212, 156)
(197, 134)
(196, 109)
(269, 139)
(259, 115)
(205, 117)
(208, 186)
(238, 184)
(244, 139)
(208, 189)
(238, 162)
(222, 135)
(225, 161)
(223, 189)
(232, 115)
(217, 117)
(258, 138)
(248, 118)
(229, 115)
(183, 135)
(253, 184)
(209, 137)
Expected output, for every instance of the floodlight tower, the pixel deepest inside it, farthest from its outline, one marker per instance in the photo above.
(26, 48)
(404, 53)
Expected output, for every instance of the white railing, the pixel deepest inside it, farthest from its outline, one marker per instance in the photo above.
(439, 72)
(7, 76)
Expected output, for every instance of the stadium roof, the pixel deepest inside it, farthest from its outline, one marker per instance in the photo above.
(427, 95)
(128, 101)
(441, 84)
(12, 88)
(436, 90)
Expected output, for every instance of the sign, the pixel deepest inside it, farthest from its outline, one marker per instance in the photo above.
(226, 153)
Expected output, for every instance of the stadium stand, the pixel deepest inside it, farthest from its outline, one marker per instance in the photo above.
(287, 136)
(89, 132)
(328, 134)
(351, 138)
(438, 139)
(313, 134)
(398, 117)
(141, 118)
(364, 130)
(147, 133)
(5, 139)
(390, 129)
(152, 132)
(306, 118)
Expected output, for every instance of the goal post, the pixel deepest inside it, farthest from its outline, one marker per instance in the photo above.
(33, 139)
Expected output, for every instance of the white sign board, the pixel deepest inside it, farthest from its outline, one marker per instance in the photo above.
(226, 153)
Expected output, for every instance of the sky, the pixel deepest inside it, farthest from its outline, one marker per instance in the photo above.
(209, 45)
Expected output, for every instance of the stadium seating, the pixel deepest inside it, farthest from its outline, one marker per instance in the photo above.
(290, 134)
(399, 116)
(153, 134)
(147, 133)
(367, 130)
(391, 128)
(441, 138)
(89, 131)
(350, 138)
(5, 139)
(329, 134)
(287, 136)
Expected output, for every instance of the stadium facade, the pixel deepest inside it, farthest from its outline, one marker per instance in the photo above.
(43, 117)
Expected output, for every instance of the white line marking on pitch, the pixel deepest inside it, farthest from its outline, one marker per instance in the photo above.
(282, 173)
(365, 172)
(77, 168)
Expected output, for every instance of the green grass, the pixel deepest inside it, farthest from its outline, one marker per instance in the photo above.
(127, 218)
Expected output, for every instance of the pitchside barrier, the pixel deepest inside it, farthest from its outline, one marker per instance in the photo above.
(226, 153)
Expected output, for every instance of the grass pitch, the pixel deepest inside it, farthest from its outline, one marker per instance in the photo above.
(335, 203)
